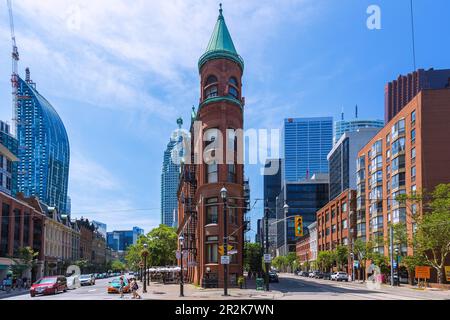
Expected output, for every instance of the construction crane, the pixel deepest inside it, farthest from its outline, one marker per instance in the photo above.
(14, 75)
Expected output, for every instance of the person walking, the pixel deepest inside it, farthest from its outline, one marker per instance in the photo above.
(134, 289)
(121, 287)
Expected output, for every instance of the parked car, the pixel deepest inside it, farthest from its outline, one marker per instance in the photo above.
(87, 279)
(305, 274)
(273, 277)
(49, 285)
(326, 276)
(311, 274)
(318, 275)
(114, 286)
(340, 276)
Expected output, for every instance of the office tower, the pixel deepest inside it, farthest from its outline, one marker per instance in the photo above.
(306, 144)
(43, 148)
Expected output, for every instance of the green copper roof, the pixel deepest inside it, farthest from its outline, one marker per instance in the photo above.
(221, 45)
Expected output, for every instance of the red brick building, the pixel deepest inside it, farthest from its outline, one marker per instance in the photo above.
(336, 224)
(21, 225)
(215, 163)
(400, 92)
(409, 155)
(303, 250)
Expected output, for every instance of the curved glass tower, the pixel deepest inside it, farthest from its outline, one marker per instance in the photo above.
(44, 150)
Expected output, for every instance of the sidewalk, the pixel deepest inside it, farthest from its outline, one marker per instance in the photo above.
(13, 293)
(160, 291)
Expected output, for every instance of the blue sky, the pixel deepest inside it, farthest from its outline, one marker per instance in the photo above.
(120, 75)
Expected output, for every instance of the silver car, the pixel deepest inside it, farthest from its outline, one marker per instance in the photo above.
(87, 280)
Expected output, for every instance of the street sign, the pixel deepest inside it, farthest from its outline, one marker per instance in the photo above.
(232, 252)
(178, 254)
(225, 260)
(267, 258)
(222, 251)
(423, 272)
(395, 264)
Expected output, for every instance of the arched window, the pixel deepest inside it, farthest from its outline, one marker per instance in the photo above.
(211, 80)
(233, 88)
(211, 88)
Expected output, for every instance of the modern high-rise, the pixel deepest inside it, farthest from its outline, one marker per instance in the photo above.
(170, 179)
(342, 159)
(343, 126)
(8, 160)
(400, 92)
(44, 151)
(304, 199)
(200, 200)
(409, 155)
(272, 184)
(101, 227)
(306, 144)
(120, 240)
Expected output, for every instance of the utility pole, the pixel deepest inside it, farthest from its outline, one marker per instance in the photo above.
(223, 193)
(391, 230)
(267, 244)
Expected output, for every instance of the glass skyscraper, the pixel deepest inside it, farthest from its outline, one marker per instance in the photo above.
(121, 240)
(170, 179)
(8, 160)
(306, 144)
(43, 148)
(344, 126)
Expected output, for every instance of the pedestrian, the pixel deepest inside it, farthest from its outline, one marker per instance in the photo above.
(121, 287)
(25, 282)
(134, 289)
(8, 284)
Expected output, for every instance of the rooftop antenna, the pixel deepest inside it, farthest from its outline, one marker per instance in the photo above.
(342, 114)
(356, 111)
(14, 74)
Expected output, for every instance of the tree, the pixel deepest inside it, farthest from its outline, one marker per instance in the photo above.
(325, 260)
(25, 260)
(341, 255)
(291, 258)
(411, 262)
(117, 266)
(82, 264)
(280, 263)
(253, 257)
(363, 251)
(161, 244)
(432, 237)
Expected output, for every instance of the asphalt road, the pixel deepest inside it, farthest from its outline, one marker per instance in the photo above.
(300, 288)
(290, 287)
(95, 292)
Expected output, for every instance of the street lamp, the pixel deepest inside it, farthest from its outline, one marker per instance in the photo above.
(181, 239)
(286, 211)
(144, 255)
(223, 195)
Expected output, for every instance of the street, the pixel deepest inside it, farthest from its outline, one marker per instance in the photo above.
(290, 287)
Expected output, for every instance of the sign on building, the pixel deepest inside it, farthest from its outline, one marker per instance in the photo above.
(267, 258)
(225, 259)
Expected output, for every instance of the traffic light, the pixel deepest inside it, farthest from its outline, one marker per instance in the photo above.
(299, 226)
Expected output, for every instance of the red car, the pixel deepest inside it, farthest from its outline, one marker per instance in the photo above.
(49, 285)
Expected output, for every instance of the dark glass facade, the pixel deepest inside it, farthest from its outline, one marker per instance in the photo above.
(43, 149)
(272, 185)
(339, 169)
(304, 199)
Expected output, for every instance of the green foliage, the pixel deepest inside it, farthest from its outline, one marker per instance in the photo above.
(253, 257)
(280, 262)
(161, 245)
(325, 260)
(341, 255)
(117, 266)
(24, 260)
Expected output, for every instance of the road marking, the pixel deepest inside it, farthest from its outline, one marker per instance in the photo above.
(92, 290)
